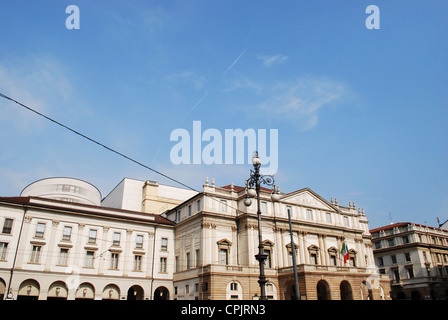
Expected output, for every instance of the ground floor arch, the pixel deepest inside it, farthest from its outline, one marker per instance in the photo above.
(346, 290)
(85, 291)
(161, 293)
(2, 289)
(29, 290)
(323, 290)
(111, 292)
(135, 293)
(57, 291)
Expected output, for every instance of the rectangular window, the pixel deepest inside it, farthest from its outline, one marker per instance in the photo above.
(309, 214)
(189, 210)
(139, 241)
(35, 254)
(198, 205)
(188, 260)
(346, 221)
(67, 233)
(268, 262)
(187, 288)
(328, 217)
(90, 255)
(394, 259)
(114, 261)
(163, 264)
(177, 216)
(407, 256)
(391, 242)
(234, 286)
(198, 258)
(396, 274)
(264, 207)
(223, 256)
(223, 206)
(410, 271)
(164, 244)
(40, 230)
(116, 240)
(7, 226)
(290, 257)
(405, 239)
(92, 236)
(380, 261)
(313, 258)
(333, 260)
(137, 262)
(63, 255)
(3, 249)
(177, 264)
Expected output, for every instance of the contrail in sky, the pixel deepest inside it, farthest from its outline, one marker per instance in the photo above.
(236, 60)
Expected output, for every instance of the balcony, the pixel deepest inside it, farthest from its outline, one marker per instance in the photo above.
(322, 268)
(232, 269)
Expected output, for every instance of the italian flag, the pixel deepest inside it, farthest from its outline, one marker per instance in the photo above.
(344, 251)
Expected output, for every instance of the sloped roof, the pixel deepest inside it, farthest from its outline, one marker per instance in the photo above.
(87, 209)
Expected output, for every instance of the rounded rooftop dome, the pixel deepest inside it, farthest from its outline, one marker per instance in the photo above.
(65, 189)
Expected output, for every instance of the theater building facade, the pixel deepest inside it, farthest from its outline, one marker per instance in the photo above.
(217, 240)
(60, 240)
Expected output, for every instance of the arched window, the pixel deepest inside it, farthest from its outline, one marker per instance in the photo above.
(234, 291)
(271, 291)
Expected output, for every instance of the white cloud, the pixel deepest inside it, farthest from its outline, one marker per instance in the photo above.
(301, 100)
(269, 60)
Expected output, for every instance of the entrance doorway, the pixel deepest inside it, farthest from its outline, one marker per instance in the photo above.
(323, 290)
(161, 293)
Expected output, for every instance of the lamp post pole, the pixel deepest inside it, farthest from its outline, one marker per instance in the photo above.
(252, 190)
(294, 262)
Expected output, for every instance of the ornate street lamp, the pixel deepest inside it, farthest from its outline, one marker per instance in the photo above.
(252, 191)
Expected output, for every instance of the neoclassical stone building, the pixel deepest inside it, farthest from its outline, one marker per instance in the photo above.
(60, 240)
(57, 242)
(415, 257)
(217, 240)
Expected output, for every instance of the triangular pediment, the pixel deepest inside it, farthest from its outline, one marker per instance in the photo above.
(307, 197)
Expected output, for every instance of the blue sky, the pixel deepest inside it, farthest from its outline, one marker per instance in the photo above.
(361, 114)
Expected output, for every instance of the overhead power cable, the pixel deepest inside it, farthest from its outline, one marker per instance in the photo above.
(108, 148)
(97, 142)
